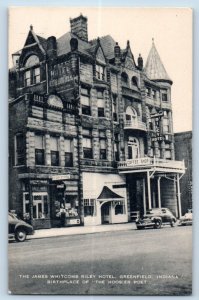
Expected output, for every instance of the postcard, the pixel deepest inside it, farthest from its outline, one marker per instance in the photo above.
(100, 151)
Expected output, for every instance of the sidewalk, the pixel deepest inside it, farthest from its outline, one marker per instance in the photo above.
(64, 231)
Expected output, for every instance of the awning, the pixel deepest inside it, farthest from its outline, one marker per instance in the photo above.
(108, 194)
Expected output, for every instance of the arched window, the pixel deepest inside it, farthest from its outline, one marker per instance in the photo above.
(131, 116)
(125, 79)
(134, 81)
(32, 75)
(32, 61)
(133, 148)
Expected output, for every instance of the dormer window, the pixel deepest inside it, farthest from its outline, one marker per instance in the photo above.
(32, 75)
(100, 72)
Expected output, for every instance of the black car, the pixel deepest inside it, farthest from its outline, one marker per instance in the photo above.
(155, 218)
(18, 228)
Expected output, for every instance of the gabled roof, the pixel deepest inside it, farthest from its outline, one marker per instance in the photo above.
(63, 44)
(154, 67)
(107, 43)
(106, 193)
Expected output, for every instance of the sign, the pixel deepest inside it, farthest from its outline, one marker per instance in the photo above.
(157, 115)
(60, 186)
(61, 177)
(139, 161)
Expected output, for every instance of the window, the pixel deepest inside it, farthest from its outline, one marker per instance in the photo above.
(20, 149)
(165, 123)
(102, 149)
(133, 148)
(85, 102)
(119, 209)
(68, 153)
(100, 103)
(100, 72)
(89, 207)
(148, 92)
(54, 147)
(32, 76)
(167, 151)
(125, 79)
(153, 94)
(164, 96)
(40, 205)
(134, 81)
(131, 116)
(116, 151)
(27, 78)
(39, 150)
(87, 148)
(114, 108)
(36, 75)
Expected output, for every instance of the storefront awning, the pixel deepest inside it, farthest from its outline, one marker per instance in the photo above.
(108, 194)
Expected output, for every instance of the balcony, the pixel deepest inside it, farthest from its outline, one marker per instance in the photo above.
(134, 124)
(131, 92)
(153, 164)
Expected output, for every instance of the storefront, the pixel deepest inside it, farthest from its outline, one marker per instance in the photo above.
(105, 200)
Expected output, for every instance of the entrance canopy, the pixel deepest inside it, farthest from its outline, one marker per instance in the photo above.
(107, 194)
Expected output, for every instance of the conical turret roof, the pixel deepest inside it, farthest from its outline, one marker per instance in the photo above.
(154, 67)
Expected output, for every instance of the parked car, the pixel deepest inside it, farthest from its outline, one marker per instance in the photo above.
(186, 219)
(18, 228)
(155, 218)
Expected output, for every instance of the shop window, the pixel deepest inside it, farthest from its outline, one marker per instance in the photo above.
(68, 153)
(39, 150)
(89, 207)
(87, 148)
(54, 147)
(85, 102)
(102, 149)
(119, 209)
(100, 72)
(39, 203)
(20, 157)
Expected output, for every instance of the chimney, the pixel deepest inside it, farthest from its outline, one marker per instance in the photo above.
(140, 62)
(117, 54)
(79, 27)
(52, 47)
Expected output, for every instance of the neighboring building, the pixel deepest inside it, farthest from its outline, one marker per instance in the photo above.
(183, 151)
(90, 130)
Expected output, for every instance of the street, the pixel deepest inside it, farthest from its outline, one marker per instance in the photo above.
(131, 262)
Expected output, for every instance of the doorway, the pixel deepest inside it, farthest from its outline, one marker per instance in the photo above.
(105, 213)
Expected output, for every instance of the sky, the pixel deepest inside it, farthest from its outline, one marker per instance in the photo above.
(171, 29)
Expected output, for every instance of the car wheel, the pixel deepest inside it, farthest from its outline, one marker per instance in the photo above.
(157, 224)
(20, 235)
(172, 223)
